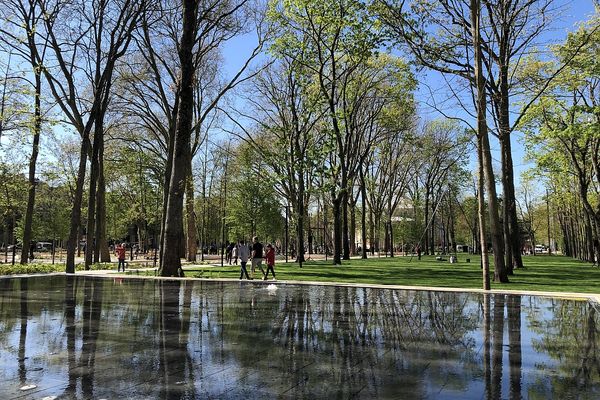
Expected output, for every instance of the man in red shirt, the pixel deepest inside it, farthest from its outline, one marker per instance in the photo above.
(120, 251)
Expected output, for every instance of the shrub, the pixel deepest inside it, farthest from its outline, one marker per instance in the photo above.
(8, 269)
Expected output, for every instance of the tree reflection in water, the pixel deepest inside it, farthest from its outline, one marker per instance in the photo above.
(177, 378)
(23, 333)
(571, 337)
(185, 340)
(514, 350)
(82, 369)
(70, 303)
(497, 346)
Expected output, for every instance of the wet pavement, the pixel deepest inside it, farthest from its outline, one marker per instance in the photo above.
(86, 337)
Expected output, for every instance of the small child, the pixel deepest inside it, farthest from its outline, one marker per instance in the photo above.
(270, 257)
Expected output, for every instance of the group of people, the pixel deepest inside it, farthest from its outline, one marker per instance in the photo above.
(255, 253)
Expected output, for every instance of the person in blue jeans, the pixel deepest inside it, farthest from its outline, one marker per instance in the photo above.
(257, 255)
(243, 253)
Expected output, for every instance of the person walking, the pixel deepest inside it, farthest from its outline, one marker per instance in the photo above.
(257, 255)
(228, 249)
(120, 251)
(243, 254)
(270, 258)
(234, 253)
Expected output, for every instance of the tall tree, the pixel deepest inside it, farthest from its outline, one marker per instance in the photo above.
(80, 70)
(285, 114)
(336, 38)
(435, 44)
(562, 125)
(170, 257)
(27, 16)
(514, 29)
(377, 104)
(484, 159)
(150, 94)
(441, 147)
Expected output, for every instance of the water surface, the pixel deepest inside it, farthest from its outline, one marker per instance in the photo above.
(98, 338)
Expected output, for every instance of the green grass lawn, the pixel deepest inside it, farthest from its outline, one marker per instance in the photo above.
(541, 273)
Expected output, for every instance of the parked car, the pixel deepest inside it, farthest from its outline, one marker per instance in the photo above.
(463, 248)
(43, 246)
(540, 248)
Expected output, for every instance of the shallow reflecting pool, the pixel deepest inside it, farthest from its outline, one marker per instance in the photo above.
(94, 338)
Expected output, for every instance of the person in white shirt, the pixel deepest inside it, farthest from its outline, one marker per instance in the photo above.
(243, 253)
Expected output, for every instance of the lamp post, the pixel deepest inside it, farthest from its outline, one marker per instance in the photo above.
(548, 212)
(53, 218)
(14, 238)
(287, 231)
(156, 244)
(324, 230)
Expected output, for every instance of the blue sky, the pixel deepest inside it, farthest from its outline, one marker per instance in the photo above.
(572, 13)
(237, 50)
(433, 88)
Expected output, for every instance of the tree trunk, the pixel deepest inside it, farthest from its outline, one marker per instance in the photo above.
(352, 230)
(452, 229)
(512, 237)
(500, 273)
(101, 253)
(345, 227)
(501, 97)
(192, 230)
(372, 232)
(426, 222)
(377, 242)
(506, 228)
(391, 238)
(300, 218)
(590, 220)
(79, 236)
(337, 229)
(171, 263)
(37, 128)
(588, 239)
(481, 137)
(203, 230)
(386, 238)
(389, 225)
(485, 258)
(363, 217)
(72, 242)
(432, 233)
(167, 180)
(90, 242)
